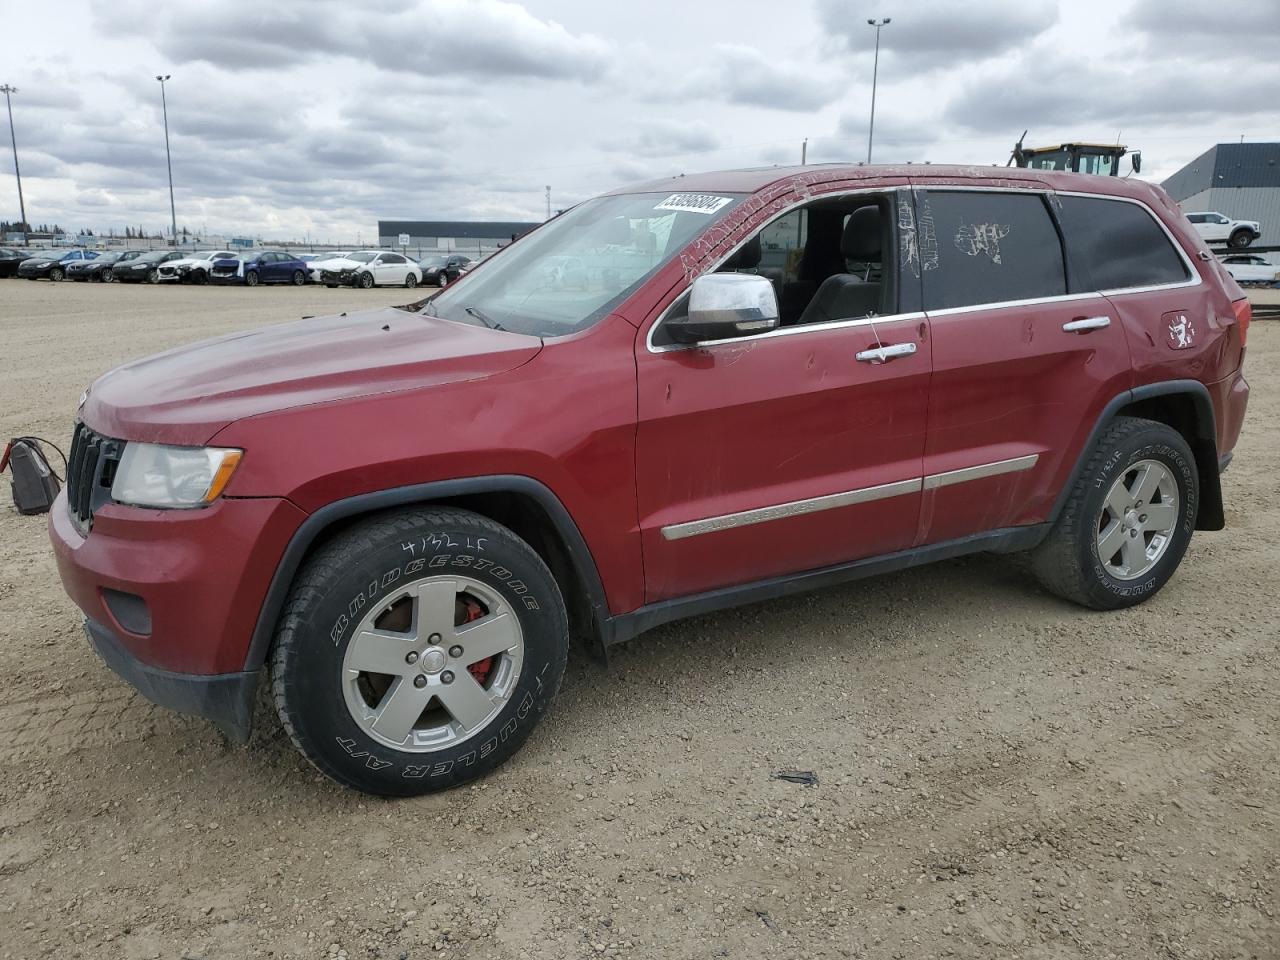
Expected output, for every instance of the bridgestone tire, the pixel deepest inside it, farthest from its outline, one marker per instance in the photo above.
(1067, 562)
(346, 579)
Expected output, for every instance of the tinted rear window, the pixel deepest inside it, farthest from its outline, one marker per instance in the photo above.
(1118, 244)
(991, 248)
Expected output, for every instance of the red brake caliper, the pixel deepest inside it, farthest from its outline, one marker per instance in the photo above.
(481, 668)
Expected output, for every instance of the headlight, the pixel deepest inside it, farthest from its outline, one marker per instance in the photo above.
(152, 475)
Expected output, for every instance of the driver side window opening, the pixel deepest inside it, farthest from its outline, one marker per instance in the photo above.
(831, 259)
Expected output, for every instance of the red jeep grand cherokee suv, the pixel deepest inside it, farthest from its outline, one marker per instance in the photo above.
(753, 383)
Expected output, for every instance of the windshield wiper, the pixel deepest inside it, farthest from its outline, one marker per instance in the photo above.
(483, 318)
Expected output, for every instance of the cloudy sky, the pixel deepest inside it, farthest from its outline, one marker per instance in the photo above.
(292, 120)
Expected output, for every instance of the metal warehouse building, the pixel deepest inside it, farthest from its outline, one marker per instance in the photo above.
(1240, 180)
(447, 236)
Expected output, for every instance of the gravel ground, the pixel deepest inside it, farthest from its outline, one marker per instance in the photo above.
(999, 774)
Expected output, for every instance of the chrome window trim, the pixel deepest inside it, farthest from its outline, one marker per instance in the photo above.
(1040, 189)
(847, 498)
(778, 331)
(1034, 301)
(981, 471)
(1193, 281)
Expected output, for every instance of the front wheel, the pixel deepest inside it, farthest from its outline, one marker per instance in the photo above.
(418, 650)
(56, 274)
(365, 281)
(1241, 239)
(251, 278)
(1127, 520)
(442, 279)
(153, 276)
(106, 276)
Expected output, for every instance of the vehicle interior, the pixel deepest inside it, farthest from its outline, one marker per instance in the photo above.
(831, 259)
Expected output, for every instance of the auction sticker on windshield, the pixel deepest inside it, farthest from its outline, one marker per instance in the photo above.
(693, 203)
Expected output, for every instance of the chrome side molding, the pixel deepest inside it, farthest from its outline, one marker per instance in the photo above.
(847, 498)
(982, 470)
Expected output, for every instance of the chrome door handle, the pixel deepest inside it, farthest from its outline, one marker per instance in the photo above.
(883, 353)
(1088, 323)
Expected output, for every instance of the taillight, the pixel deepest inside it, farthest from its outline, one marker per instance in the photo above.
(1244, 314)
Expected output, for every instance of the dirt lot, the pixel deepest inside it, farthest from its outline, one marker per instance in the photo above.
(1000, 774)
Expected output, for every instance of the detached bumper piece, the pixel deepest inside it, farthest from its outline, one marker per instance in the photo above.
(226, 699)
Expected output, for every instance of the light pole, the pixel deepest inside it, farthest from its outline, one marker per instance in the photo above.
(173, 216)
(22, 207)
(548, 201)
(875, 70)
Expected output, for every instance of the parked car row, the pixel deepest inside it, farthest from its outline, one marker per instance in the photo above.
(356, 268)
(1251, 268)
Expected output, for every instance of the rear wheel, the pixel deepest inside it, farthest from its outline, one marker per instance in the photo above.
(1241, 238)
(299, 278)
(417, 651)
(1127, 520)
(410, 280)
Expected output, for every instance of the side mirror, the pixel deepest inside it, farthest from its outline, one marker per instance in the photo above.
(1135, 161)
(723, 305)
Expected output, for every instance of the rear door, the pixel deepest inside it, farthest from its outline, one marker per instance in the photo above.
(1023, 362)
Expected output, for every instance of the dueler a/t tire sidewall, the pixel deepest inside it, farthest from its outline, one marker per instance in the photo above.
(1155, 442)
(355, 574)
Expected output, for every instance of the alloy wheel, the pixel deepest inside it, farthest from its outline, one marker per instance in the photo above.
(434, 664)
(1138, 519)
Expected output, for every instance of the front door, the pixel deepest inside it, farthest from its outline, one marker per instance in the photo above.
(786, 451)
(1022, 366)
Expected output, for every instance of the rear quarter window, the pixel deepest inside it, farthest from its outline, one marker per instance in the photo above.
(1119, 245)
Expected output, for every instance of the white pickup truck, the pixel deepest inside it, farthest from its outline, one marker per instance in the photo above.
(1216, 228)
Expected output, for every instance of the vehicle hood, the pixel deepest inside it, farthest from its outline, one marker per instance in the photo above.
(188, 394)
(40, 261)
(337, 263)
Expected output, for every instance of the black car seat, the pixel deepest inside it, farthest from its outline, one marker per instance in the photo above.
(846, 295)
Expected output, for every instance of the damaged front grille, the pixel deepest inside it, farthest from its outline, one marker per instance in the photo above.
(91, 469)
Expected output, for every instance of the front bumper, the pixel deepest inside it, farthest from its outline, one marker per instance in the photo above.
(173, 596)
(226, 699)
(34, 272)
